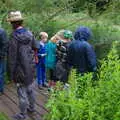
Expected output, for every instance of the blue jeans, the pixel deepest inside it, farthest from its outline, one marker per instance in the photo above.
(2, 74)
(41, 74)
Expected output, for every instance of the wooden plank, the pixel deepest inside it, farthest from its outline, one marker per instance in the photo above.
(11, 103)
(39, 98)
(4, 108)
(38, 92)
(13, 97)
(7, 106)
(40, 102)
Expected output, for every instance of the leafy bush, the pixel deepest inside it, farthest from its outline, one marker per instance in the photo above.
(88, 99)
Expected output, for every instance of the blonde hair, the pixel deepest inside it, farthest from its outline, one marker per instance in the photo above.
(55, 38)
(43, 34)
(61, 33)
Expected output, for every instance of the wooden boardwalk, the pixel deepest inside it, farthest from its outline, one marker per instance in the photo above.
(9, 103)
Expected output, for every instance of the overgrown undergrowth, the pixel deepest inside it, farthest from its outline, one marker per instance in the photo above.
(88, 98)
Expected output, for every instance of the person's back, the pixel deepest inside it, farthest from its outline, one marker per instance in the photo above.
(62, 67)
(23, 44)
(51, 55)
(51, 61)
(81, 54)
(62, 48)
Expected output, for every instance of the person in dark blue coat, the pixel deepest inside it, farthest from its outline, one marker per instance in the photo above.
(3, 52)
(81, 54)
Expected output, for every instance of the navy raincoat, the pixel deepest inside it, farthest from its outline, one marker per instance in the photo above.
(81, 54)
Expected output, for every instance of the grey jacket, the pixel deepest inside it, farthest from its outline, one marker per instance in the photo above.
(21, 56)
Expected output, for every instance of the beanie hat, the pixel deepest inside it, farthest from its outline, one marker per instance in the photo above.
(68, 34)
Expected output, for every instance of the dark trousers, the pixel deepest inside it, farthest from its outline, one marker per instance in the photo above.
(62, 71)
(51, 74)
(26, 97)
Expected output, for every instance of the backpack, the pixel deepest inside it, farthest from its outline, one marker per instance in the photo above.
(62, 51)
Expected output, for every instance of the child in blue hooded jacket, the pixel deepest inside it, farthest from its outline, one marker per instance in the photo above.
(81, 54)
(41, 72)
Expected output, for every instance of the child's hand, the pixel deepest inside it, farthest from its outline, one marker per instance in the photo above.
(43, 55)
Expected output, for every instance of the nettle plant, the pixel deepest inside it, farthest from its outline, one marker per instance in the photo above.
(84, 100)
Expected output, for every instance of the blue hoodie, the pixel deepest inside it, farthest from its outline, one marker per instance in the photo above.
(81, 54)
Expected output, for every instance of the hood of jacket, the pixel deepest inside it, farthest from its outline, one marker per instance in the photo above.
(23, 35)
(83, 33)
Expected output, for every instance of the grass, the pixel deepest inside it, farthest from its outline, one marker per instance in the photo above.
(3, 116)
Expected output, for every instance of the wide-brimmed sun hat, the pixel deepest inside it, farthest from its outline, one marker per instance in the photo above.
(14, 16)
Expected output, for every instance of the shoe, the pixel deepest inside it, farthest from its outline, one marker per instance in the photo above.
(66, 86)
(31, 110)
(50, 89)
(19, 116)
(40, 87)
(45, 86)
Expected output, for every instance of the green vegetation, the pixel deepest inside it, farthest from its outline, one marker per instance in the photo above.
(49, 15)
(3, 116)
(88, 98)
